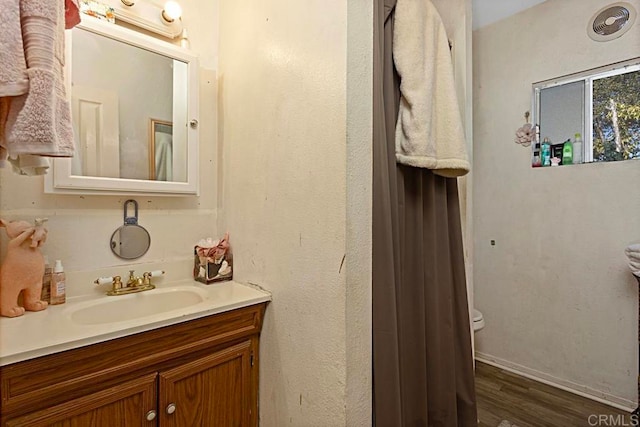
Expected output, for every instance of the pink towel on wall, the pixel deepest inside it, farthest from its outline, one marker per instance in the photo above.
(39, 122)
(71, 14)
(13, 72)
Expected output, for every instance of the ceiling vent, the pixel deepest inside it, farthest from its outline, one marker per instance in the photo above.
(611, 22)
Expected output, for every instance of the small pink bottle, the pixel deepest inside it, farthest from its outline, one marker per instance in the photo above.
(58, 284)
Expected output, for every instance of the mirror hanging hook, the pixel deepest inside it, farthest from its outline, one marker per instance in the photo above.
(526, 116)
(131, 220)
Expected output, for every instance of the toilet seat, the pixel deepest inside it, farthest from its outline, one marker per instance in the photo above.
(478, 320)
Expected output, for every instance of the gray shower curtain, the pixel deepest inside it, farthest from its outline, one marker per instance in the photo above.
(422, 361)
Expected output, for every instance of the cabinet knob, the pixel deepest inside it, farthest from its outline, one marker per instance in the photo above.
(151, 415)
(171, 408)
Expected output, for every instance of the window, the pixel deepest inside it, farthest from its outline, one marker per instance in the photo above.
(602, 105)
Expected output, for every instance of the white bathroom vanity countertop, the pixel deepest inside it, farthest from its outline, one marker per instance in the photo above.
(78, 323)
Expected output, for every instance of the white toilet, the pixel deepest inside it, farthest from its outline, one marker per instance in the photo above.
(478, 320)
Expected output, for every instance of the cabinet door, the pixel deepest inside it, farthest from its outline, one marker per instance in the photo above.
(126, 404)
(212, 391)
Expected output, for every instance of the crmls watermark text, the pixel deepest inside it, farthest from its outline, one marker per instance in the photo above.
(602, 420)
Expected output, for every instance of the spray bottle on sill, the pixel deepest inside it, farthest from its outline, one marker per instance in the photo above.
(578, 150)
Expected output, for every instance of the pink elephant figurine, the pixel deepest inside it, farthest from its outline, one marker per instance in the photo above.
(23, 268)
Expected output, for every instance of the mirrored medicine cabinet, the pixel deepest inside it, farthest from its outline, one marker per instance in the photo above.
(602, 105)
(134, 104)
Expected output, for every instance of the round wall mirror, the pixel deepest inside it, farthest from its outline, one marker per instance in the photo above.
(131, 240)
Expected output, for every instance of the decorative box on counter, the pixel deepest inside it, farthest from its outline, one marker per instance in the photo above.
(213, 261)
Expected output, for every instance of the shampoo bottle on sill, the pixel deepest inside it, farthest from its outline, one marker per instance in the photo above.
(58, 285)
(567, 152)
(546, 152)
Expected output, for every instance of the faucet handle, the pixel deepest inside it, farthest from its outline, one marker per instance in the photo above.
(103, 280)
(131, 274)
(115, 281)
(146, 276)
(155, 273)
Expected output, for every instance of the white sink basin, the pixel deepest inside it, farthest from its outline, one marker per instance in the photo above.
(111, 309)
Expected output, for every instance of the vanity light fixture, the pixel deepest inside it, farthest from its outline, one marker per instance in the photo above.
(147, 15)
(171, 11)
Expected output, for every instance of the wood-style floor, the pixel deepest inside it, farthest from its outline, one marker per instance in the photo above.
(505, 396)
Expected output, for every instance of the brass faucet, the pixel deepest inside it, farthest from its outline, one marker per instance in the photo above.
(133, 280)
(133, 285)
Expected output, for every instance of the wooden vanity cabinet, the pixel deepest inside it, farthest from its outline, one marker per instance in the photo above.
(198, 373)
(121, 405)
(211, 391)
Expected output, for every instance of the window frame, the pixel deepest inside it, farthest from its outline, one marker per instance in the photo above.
(588, 77)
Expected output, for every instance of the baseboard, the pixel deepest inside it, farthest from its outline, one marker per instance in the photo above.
(562, 384)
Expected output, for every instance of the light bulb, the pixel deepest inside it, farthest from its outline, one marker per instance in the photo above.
(172, 11)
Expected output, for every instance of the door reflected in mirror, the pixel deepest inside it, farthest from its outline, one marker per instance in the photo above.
(160, 150)
(130, 242)
(129, 108)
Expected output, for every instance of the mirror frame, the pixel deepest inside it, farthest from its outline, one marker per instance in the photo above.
(59, 180)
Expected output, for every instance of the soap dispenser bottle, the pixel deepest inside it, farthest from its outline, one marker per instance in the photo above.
(567, 152)
(58, 284)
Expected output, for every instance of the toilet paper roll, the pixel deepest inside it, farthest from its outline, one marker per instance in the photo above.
(635, 247)
(634, 259)
(633, 251)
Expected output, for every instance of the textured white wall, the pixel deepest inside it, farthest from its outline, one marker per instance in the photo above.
(358, 262)
(80, 226)
(283, 135)
(555, 291)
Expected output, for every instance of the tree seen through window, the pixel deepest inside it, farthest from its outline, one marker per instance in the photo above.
(616, 117)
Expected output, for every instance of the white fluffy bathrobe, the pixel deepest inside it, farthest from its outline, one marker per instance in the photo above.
(429, 132)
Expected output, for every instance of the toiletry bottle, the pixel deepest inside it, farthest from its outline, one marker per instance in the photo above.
(567, 152)
(556, 152)
(578, 147)
(546, 152)
(58, 285)
(536, 160)
(46, 281)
